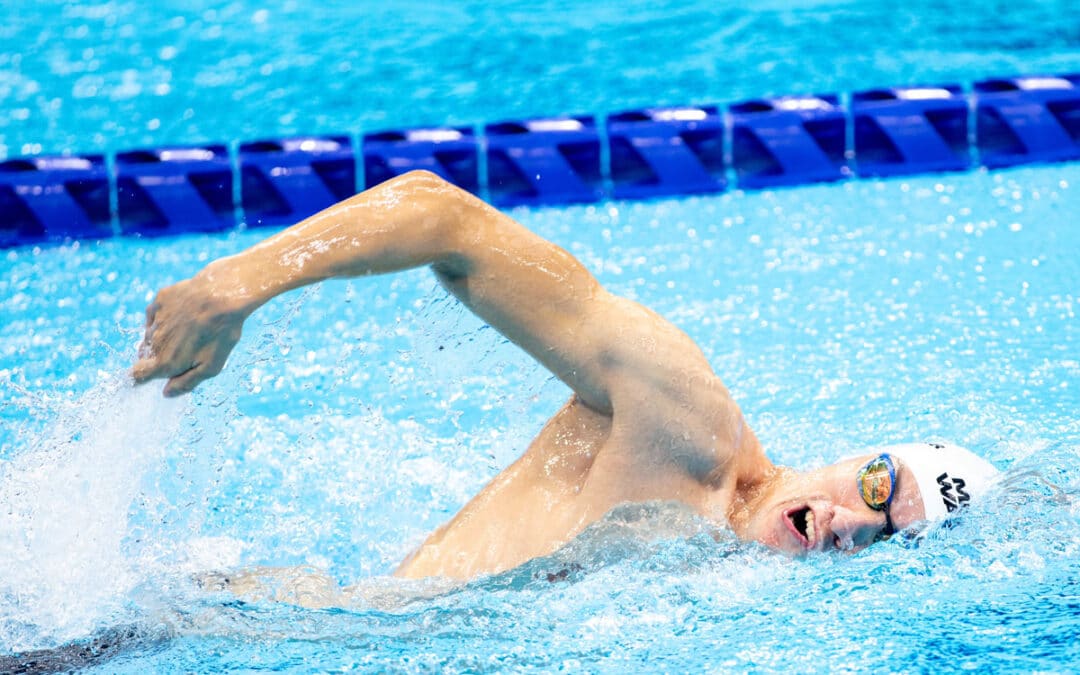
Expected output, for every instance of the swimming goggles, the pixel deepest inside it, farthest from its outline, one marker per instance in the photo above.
(877, 482)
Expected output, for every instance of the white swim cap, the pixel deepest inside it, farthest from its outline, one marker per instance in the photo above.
(948, 475)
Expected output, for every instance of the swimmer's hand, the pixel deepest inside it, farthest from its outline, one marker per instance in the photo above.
(191, 327)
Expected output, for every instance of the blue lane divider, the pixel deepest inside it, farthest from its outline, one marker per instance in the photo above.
(175, 189)
(1027, 119)
(789, 140)
(453, 153)
(911, 130)
(651, 152)
(53, 199)
(666, 151)
(285, 180)
(544, 161)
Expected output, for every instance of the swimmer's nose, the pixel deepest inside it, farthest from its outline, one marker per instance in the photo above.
(855, 530)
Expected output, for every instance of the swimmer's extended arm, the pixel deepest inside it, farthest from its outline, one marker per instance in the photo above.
(529, 289)
(607, 349)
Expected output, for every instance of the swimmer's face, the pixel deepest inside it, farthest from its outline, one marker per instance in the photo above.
(824, 510)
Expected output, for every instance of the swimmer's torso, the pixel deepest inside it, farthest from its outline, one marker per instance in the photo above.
(576, 470)
(654, 422)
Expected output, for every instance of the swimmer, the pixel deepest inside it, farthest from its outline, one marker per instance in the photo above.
(648, 419)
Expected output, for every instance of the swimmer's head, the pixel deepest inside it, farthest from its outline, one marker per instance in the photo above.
(851, 504)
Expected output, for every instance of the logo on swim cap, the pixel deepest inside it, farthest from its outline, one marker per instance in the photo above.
(952, 492)
(955, 474)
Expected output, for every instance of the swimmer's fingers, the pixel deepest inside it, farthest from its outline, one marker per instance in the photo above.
(190, 330)
(151, 312)
(148, 330)
(162, 356)
(186, 382)
(147, 368)
(158, 356)
(154, 366)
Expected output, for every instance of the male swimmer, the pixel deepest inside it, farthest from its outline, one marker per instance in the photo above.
(648, 420)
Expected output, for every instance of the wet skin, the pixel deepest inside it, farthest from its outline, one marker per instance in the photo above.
(822, 510)
(648, 419)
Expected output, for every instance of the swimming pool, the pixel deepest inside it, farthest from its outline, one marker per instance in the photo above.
(840, 315)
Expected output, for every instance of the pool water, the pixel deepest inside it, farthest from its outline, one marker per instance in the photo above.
(115, 74)
(358, 415)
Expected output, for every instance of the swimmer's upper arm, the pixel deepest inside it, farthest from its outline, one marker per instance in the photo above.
(535, 293)
(618, 356)
(673, 405)
(607, 349)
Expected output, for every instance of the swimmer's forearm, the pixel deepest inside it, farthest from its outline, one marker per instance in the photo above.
(411, 221)
(530, 290)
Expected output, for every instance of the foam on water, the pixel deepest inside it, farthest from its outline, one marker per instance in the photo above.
(839, 316)
(649, 582)
(354, 419)
(66, 502)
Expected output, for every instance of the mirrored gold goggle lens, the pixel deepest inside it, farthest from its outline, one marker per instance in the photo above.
(876, 484)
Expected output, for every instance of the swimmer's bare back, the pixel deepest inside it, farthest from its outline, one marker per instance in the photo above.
(648, 419)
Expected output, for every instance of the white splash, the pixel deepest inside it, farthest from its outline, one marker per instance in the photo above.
(64, 507)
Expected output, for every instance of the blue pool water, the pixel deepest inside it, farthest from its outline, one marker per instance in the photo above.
(358, 415)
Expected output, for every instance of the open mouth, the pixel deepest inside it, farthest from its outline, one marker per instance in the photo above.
(801, 523)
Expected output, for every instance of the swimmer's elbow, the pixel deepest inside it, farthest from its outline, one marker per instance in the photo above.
(436, 191)
(422, 179)
(415, 218)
